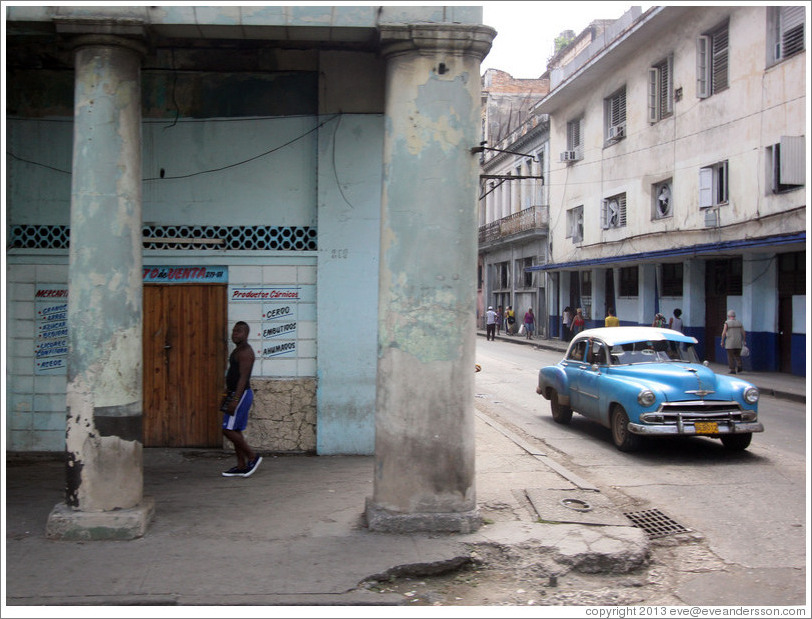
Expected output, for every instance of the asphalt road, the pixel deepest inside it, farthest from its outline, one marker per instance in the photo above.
(748, 507)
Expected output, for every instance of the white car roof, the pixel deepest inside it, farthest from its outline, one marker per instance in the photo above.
(626, 335)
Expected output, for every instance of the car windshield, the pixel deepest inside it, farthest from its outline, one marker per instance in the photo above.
(657, 351)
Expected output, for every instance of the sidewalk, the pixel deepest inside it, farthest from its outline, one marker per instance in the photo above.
(776, 384)
(293, 533)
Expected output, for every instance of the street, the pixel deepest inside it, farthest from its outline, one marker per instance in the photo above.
(746, 510)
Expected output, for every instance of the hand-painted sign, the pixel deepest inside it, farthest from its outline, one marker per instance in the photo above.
(276, 349)
(51, 348)
(280, 315)
(263, 294)
(185, 275)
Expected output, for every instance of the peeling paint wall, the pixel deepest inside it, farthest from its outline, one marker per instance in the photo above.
(281, 188)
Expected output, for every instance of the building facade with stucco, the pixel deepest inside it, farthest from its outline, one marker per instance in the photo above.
(171, 170)
(678, 177)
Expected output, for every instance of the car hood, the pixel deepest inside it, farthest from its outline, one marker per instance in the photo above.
(678, 381)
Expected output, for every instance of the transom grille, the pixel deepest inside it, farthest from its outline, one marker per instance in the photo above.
(289, 238)
(655, 523)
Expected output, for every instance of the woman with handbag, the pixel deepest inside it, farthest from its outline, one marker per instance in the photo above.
(733, 339)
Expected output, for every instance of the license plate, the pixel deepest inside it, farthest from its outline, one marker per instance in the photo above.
(706, 427)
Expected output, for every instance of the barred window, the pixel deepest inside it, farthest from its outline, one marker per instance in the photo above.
(672, 279)
(629, 281)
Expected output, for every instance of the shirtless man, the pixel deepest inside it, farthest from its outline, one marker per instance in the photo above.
(240, 398)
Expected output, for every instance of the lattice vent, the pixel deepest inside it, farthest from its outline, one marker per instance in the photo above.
(290, 238)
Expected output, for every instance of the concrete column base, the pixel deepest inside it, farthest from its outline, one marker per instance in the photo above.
(68, 524)
(385, 521)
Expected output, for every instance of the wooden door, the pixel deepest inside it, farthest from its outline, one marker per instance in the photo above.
(185, 348)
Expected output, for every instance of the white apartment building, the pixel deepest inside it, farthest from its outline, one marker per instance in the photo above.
(678, 176)
(513, 206)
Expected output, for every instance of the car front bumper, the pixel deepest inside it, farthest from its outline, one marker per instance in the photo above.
(687, 428)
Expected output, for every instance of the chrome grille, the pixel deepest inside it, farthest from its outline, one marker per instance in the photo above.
(677, 413)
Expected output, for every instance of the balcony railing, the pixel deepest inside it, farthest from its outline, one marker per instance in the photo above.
(533, 218)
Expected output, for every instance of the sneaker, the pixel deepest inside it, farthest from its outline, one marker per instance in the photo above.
(252, 466)
(235, 471)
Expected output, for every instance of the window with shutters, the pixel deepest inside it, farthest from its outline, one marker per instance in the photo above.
(712, 62)
(713, 185)
(660, 88)
(575, 142)
(575, 224)
(786, 164)
(613, 212)
(615, 116)
(786, 29)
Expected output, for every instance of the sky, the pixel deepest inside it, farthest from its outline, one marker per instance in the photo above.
(526, 31)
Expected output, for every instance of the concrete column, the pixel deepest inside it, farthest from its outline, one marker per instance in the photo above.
(104, 491)
(424, 430)
(693, 303)
(646, 311)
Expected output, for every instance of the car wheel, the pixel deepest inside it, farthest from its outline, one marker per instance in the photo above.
(561, 414)
(736, 442)
(623, 439)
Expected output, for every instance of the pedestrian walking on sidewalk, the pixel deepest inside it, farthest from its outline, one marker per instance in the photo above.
(490, 324)
(510, 329)
(659, 321)
(611, 320)
(529, 324)
(578, 321)
(675, 322)
(566, 321)
(237, 402)
(734, 338)
(500, 318)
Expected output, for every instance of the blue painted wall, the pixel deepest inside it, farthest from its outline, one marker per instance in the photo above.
(350, 181)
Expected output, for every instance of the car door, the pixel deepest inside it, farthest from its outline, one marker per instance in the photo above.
(591, 377)
(573, 367)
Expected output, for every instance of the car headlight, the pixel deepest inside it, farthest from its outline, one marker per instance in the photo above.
(646, 397)
(751, 395)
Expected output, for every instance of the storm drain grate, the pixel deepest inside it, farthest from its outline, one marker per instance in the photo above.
(655, 523)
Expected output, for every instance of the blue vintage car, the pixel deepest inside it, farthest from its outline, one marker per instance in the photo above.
(648, 382)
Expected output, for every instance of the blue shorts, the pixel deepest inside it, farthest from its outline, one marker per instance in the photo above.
(239, 420)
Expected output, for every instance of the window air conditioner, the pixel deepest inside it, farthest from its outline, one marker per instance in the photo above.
(617, 131)
(568, 155)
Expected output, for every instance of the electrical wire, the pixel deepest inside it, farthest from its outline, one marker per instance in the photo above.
(209, 171)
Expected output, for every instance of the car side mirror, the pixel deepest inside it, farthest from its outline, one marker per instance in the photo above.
(595, 367)
(705, 363)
